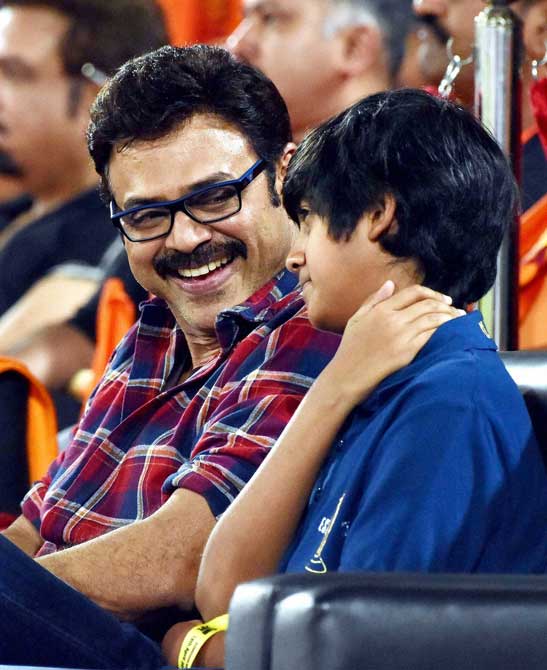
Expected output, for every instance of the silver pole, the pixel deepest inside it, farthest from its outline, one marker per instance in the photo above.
(498, 49)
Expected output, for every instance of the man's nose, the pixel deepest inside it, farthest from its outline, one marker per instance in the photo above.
(187, 234)
(430, 7)
(243, 42)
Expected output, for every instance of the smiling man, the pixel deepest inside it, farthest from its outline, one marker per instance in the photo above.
(192, 147)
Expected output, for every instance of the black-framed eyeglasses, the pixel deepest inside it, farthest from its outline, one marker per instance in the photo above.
(205, 205)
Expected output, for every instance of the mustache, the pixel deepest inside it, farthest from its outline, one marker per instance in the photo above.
(8, 165)
(171, 261)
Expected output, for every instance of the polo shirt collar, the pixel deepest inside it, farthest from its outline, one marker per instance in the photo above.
(461, 334)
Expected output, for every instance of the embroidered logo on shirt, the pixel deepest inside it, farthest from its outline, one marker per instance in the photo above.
(317, 565)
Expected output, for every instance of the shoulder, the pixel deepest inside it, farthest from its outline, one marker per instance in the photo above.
(287, 342)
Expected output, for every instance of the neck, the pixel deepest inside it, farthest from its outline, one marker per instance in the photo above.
(54, 194)
(349, 92)
(202, 347)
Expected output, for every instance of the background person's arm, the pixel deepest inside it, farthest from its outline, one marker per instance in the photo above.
(51, 300)
(55, 354)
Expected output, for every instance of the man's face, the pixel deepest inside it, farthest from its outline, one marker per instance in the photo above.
(456, 17)
(251, 245)
(535, 27)
(285, 39)
(36, 129)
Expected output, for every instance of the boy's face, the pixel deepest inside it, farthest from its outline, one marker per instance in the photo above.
(337, 276)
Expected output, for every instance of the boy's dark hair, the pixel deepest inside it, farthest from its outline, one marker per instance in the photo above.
(454, 190)
(152, 95)
(105, 33)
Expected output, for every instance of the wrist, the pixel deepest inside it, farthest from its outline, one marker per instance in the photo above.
(196, 638)
(348, 387)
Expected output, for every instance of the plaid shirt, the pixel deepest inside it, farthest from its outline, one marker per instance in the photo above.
(139, 440)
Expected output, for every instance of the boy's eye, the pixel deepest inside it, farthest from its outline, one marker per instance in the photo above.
(302, 214)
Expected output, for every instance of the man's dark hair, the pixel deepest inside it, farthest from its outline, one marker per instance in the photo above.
(152, 95)
(454, 190)
(105, 33)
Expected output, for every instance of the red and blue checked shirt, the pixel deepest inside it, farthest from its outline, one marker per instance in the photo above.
(140, 439)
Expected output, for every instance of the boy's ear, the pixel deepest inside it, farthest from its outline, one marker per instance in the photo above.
(283, 163)
(381, 217)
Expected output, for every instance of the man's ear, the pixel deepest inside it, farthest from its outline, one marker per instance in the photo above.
(283, 164)
(361, 47)
(381, 217)
(81, 97)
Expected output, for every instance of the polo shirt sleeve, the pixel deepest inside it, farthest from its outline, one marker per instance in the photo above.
(430, 495)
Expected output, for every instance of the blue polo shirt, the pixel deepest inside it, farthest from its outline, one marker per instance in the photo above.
(438, 470)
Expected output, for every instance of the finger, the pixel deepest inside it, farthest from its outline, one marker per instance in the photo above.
(427, 306)
(413, 294)
(430, 321)
(383, 293)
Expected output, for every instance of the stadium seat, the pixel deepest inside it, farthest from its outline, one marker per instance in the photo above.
(389, 621)
(529, 371)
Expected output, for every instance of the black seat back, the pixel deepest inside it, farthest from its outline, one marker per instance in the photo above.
(529, 371)
(344, 621)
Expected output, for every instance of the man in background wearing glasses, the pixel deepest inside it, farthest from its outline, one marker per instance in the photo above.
(192, 147)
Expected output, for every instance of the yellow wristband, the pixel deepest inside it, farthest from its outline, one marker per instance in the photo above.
(197, 636)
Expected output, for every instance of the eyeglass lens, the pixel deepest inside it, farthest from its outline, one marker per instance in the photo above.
(211, 205)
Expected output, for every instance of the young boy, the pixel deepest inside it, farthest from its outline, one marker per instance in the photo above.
(394, 461)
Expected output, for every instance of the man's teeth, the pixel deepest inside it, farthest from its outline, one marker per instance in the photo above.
(204, 269)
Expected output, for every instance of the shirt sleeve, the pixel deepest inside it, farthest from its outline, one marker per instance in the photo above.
(429, 498)
(31, 506)
(252, 412)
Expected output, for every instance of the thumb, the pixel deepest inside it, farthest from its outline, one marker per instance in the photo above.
(383, 293)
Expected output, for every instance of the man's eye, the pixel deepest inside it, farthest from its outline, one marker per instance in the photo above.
(213, 199)
(147, 217)
(269, 18)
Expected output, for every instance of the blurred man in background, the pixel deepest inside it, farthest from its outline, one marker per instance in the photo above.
(54, 55)
(323, 55)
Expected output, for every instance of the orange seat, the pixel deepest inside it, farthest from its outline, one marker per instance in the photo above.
(192, 21)
(41, 421)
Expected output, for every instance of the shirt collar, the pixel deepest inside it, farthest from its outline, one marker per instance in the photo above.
(234, 323)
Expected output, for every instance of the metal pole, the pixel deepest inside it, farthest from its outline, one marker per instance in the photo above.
(498, 57)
